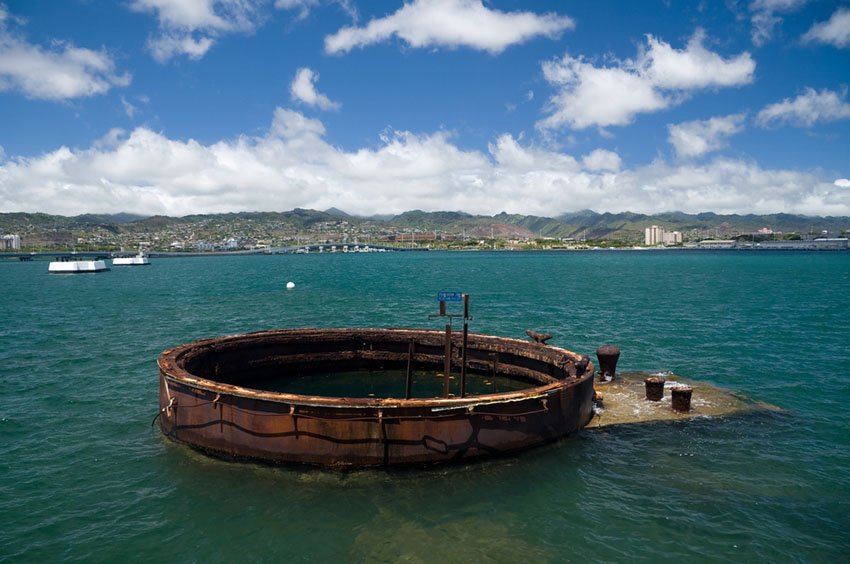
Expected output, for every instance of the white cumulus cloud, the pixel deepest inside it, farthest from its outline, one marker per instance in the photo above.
(451, 23)
(659, 77)
(692, 67)
(589, 95)
(222, 15)
(835, 31)
(696, 138)
(304, 7)
(806, 109)
(303, 89)
(190, 27)
(731, 186)
(765, 17)
(602, 159)
(842, 183)
(173, 44)
(129, 108)
(61, 71)
(292, 165)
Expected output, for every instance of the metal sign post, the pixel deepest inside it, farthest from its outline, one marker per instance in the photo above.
(444, 297)
(465, 341)
(408, 381)
(447, 360)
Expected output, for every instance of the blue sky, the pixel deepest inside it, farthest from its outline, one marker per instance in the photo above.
(206, 106)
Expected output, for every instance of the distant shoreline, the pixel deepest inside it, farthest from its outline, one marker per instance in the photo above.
(814, 245)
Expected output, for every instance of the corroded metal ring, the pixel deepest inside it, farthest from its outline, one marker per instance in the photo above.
(212, 412)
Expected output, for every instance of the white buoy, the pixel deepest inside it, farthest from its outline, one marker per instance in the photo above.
(290, 285)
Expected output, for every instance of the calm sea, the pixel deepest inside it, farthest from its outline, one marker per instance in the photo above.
(84, 477)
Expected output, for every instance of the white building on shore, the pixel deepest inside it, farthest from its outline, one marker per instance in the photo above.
(656, 235)
(11, 243)
(672, 238)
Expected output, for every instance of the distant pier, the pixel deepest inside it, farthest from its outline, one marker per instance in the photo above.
(292, 249)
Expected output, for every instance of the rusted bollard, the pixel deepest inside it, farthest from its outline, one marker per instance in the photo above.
(654, 388)
(608, 356)
(682, 398)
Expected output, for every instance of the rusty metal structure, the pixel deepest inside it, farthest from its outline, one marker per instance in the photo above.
(681, 400)
(204, 404)
(608, 355)
(654, 388)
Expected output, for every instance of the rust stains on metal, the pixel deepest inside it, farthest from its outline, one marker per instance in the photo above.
(654, 388)
(204, 404)
(608, 356)
(681, 398)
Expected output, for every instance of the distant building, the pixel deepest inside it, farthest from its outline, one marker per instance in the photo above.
(11, 243)
(656, 235)
(715, 244)
(672, 238)
(821, 244)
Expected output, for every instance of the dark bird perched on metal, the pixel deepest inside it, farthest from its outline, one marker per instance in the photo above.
(539, 337)
(582, 365)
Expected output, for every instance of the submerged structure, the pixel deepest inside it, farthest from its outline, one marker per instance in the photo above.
(239, 396)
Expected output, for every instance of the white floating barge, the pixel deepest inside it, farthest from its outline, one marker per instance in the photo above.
(77, 266)
(140, 259)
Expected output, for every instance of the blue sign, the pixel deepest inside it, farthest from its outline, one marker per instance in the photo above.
(449, 296)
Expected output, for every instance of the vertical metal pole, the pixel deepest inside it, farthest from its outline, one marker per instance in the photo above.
(447, 362)
(465, 342)
(407, 382)
(463, 361)
(495, 357)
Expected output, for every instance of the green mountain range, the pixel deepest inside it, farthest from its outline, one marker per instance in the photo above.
(582, 225)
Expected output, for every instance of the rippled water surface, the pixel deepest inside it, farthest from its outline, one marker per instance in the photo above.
(84, 477)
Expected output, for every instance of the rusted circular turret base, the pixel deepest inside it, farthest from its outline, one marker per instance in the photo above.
(203, 403)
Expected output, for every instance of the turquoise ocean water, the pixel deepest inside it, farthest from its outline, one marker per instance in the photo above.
(84, 477)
